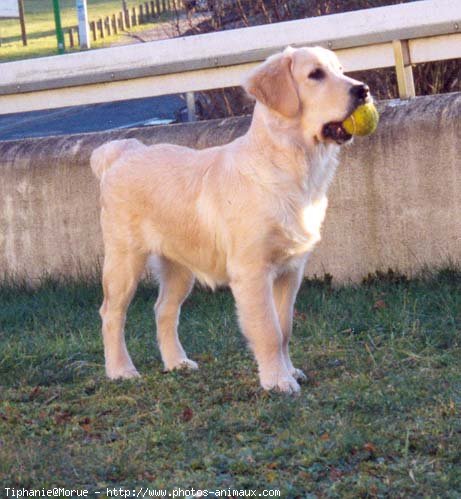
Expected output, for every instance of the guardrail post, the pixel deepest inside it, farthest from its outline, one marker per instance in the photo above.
(405, 81)
(190, 100)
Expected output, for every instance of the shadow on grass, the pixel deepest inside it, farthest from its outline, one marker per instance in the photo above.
(36, 35)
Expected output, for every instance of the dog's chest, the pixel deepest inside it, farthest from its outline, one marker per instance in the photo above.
(303, 211)
(300, 228)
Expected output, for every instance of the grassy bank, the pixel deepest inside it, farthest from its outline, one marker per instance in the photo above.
(378, 417)
(40, 27)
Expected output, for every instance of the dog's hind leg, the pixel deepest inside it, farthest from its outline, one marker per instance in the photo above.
(121, 273)
(176, 283)
(286, 288)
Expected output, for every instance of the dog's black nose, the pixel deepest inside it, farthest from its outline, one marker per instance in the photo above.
(360, 92)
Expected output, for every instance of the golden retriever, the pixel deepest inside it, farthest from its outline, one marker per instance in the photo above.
(246, 214)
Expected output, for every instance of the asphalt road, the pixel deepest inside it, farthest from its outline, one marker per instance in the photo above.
(93, 118)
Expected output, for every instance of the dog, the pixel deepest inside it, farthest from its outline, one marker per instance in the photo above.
(246, 214)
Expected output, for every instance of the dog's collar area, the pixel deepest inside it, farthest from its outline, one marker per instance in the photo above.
(335, 131)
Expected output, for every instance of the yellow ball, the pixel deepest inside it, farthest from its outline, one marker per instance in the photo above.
(363, 121)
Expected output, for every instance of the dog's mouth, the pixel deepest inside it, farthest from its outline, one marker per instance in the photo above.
(335, 131)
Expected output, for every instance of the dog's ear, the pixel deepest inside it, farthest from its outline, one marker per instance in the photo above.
(273, 85)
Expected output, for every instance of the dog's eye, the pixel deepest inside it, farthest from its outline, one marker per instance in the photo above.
(317, 74)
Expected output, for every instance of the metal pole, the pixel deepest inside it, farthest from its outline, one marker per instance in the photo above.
(57, 21)
(82, 14)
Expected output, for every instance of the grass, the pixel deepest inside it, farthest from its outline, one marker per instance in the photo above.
(40, 27)
(378, 417)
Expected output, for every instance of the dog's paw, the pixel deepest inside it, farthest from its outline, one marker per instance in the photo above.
(288, 385)
(183, 364)
(284, 384)
(124, 372)
(298, 374)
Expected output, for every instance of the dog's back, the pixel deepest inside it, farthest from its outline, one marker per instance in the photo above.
(103, 157)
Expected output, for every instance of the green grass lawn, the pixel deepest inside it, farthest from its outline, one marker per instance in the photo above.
(40, 27)
(378, 417)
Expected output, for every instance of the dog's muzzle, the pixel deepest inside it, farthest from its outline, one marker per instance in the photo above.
(359, 94)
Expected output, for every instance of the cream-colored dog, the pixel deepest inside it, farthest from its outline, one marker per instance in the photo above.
(246, 214)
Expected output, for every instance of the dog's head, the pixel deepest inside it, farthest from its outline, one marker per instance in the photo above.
(307, 88)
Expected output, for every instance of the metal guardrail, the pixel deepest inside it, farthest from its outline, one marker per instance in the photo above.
(399, 35)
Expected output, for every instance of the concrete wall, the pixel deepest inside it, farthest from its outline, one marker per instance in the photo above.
(395, 201)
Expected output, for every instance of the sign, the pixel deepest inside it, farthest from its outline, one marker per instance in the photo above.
(9, 8)
(14, 9)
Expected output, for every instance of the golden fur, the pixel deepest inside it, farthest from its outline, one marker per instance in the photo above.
(246, 214)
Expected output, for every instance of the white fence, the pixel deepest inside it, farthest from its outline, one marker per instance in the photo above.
(394, 36)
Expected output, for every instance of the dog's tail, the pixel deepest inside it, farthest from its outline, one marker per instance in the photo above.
(103, 157)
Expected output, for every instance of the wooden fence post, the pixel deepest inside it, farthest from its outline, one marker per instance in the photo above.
(141, 14)
(108, 26)
(121, 21)
(94, 30)
(70, 32)
(134, 17)
(128, 19)
(102, 30)
(114, 22)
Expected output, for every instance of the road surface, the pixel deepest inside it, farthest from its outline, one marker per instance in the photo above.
(91, 118)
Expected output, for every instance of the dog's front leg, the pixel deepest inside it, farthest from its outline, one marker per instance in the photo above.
(259, 322)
